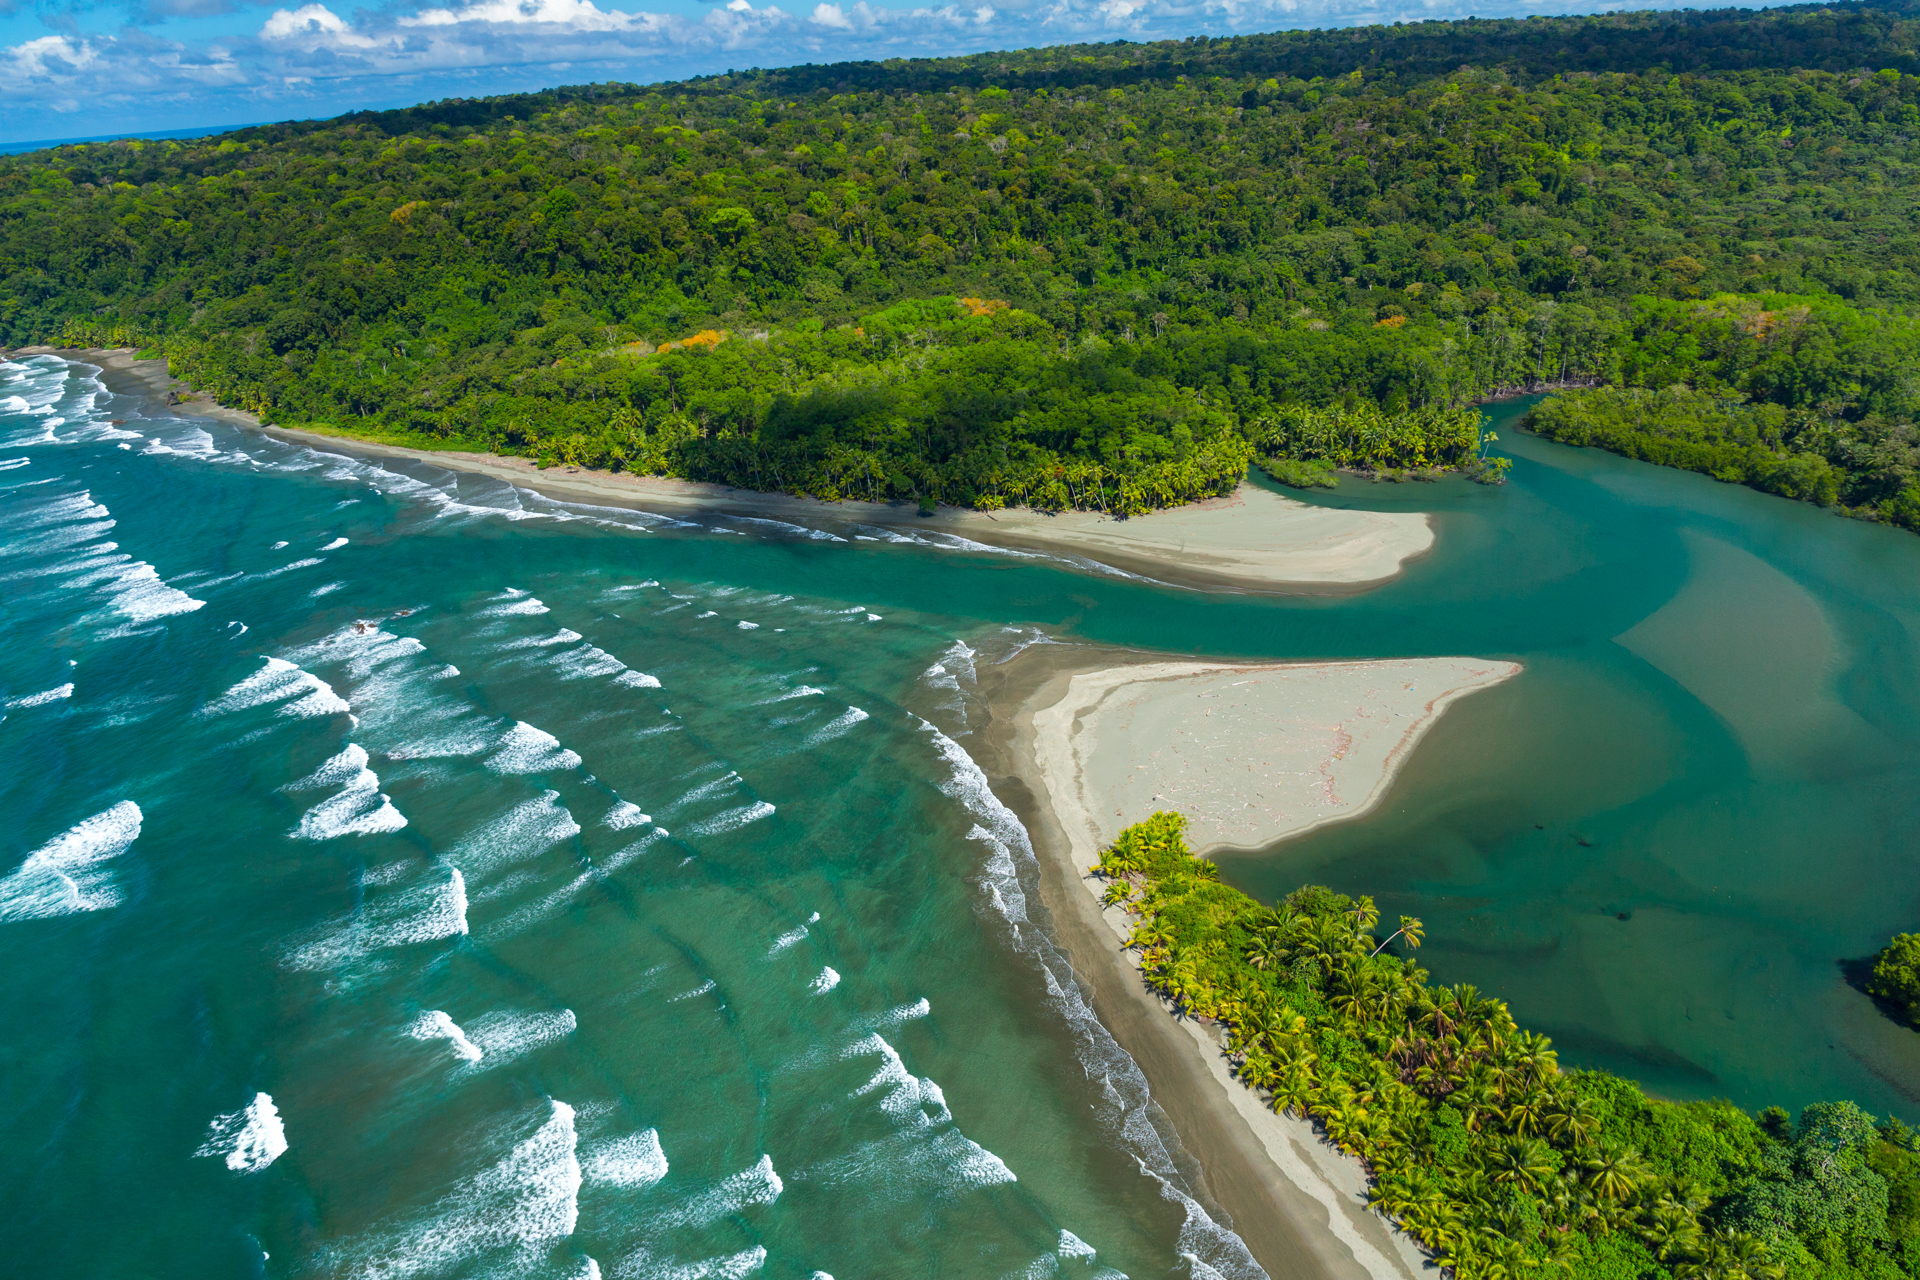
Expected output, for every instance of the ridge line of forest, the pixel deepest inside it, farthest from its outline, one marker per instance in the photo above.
(1107, 276)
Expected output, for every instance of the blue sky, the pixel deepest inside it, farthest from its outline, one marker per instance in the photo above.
(72, 68)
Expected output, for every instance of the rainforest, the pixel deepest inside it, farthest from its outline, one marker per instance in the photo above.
(1092, 276)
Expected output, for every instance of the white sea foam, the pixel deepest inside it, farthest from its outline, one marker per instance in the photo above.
(829, 979)
(632, 1163)
(249, 1139)
(143, 597)
(437, 1025)
(736, 1266)
(10, 463)
(40, 699)
(68, 874)
(514, 604)
(756, 1185)
(512, 1212)
(278, 546)
(747, 626)
(732, 819)
(358, 808)
(504, 1035)
(839, 725)
(426, 912)
(785, 940)
(700, 990)
(1126, 1111)
(799, 691)
(637, 680)
(525, 831)
(525, 749)
(624, 815)
(335, 545)
(301, 692)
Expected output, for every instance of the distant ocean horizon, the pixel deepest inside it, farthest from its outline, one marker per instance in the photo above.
(196, 131)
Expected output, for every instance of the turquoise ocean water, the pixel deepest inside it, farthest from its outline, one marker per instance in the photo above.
(406, 876)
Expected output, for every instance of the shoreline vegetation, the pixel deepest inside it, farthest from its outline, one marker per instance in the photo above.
(1101, 277)
(1253, 540)
(1328, 1084)
(1474, 1141)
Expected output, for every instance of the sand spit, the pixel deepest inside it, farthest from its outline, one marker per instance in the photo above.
(1253, 540)
(1251, 753)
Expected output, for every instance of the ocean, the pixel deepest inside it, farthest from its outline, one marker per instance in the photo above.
(407, 875)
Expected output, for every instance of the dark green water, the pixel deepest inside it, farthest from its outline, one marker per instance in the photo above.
(564, 1020)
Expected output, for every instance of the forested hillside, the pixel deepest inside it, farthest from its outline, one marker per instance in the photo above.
(1101, 275)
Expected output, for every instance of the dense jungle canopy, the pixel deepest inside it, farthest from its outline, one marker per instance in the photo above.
(1100, 275)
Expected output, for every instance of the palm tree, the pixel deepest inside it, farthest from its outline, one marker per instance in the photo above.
(1615, 1173)
(1575, 1120)
(1410, 928)
(1526, 1115)
(1526, 1163)
(1269, 949)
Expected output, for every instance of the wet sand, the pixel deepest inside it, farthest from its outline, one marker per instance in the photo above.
(1253, 540)
(1070, 726)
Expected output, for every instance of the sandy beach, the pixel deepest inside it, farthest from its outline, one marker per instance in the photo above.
(1254, 540)
(1084, 741)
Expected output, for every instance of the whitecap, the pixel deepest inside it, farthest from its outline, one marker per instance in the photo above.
(68, 875)
(359, 808)
(756, 1185)
(837, 726)
(435, 1024)
(301, 692)
(525, 749)
(800, 691)
(624, 815)
(1127, 1108)
(335, 545)
(829, 979)
(732, 819)
(519, 1207)
(142, 596)
(505, 1035)
(525, 831)
(10, 463)
(747, 626)
(787, 939)
(40, 699)
(247, 1140)
(637, 680)
(632, 1163)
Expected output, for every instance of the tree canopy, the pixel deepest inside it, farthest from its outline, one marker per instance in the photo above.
(1148, 250)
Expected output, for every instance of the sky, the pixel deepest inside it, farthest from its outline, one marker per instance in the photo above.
(83, 68)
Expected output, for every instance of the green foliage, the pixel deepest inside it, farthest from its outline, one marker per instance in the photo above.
(1896, 976)
(1477, 1143)
(1797, 396)
(1103, 276)
(1296, 474)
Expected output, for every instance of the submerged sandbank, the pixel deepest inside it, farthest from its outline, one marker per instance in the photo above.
(1252, 540)
(1084, 741)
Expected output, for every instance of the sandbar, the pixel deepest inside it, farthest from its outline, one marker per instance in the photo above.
(1084, 741)
(1253, 540)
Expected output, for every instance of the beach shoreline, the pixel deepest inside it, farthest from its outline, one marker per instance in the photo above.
(1253, 540)
(1299, 1203)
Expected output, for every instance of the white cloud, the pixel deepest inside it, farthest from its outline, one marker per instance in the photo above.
(570, 15)
(33, 58)
(831, 15)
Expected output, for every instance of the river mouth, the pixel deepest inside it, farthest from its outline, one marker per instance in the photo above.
(728, 964)
(1664, 840)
